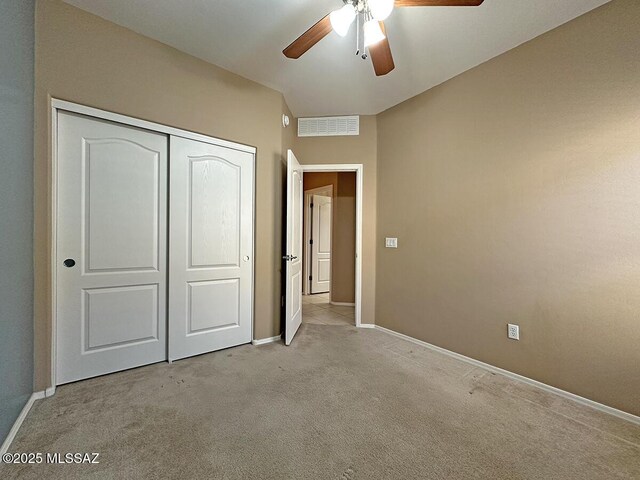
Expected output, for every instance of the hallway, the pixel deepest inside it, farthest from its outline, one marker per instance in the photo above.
(316, 309)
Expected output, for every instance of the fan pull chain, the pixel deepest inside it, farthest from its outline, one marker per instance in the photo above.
(365, 16)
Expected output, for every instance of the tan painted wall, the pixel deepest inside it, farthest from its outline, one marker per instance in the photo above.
(343, 233)
(343, 262)
(84, 59)
(353, 149)
(313, 180)
(514, 191)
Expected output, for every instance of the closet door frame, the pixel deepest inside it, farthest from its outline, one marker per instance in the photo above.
(65, 106)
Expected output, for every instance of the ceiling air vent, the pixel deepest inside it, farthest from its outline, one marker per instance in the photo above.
(329, 126)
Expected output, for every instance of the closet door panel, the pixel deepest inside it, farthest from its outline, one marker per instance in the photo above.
(211, 247)
(110, 268)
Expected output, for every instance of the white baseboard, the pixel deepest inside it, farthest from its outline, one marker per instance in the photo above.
(40, 395)
(343, 304)
(50, 392)
(543, 386)
(18, 423)
(264, 341)
(366, 325)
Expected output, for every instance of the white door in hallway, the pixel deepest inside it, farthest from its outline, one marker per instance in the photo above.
(211, 247)
(293, 256)
(111, 247)
(321, 247)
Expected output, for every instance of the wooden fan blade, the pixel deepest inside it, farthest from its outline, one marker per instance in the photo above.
(380, 54)
(309, 38)
(438, 3)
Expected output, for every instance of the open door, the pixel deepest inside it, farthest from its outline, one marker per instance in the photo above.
(293, 257)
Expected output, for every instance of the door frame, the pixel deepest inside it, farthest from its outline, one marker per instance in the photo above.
(306, 288)
(66, 106)
(358, 168)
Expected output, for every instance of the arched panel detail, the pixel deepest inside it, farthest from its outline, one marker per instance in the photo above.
(121, 209)
(214, 212)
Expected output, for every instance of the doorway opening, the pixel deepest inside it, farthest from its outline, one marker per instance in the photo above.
(292, 301)
(329, 253)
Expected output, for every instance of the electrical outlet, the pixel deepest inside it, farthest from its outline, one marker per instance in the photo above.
(513, 331)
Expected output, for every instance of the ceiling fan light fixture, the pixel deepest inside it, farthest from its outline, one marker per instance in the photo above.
(380, 9)
(372, 33)
(342, 19)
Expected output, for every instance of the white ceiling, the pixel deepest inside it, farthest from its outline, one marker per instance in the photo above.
(429, 44)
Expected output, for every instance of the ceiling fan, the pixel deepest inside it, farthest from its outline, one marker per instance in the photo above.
(369, 16)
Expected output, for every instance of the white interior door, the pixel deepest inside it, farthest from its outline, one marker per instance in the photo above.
(321, 246)
(293, 257)
(111, 247)
(211, 247)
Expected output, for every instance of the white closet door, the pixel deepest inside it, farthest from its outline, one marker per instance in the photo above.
(211, 247)
(111, 247)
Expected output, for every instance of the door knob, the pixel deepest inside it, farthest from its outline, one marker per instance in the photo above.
(69, 262)
(246, 258)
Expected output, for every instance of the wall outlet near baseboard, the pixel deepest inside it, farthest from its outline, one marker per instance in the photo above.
(513, 331)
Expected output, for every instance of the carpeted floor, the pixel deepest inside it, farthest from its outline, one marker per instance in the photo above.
(340, 403)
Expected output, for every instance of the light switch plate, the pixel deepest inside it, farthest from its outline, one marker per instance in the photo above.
(391, 242)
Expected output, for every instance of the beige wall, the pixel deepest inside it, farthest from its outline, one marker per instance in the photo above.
(514, 191)
(84, 59)
(313, 180)
(353, 149)
(343, 247)
(343, 233)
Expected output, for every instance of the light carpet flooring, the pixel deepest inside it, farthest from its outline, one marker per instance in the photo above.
(339, 403)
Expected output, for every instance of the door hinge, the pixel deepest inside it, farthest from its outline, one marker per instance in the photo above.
(310, 277)
(312, 205)
(311, 242)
